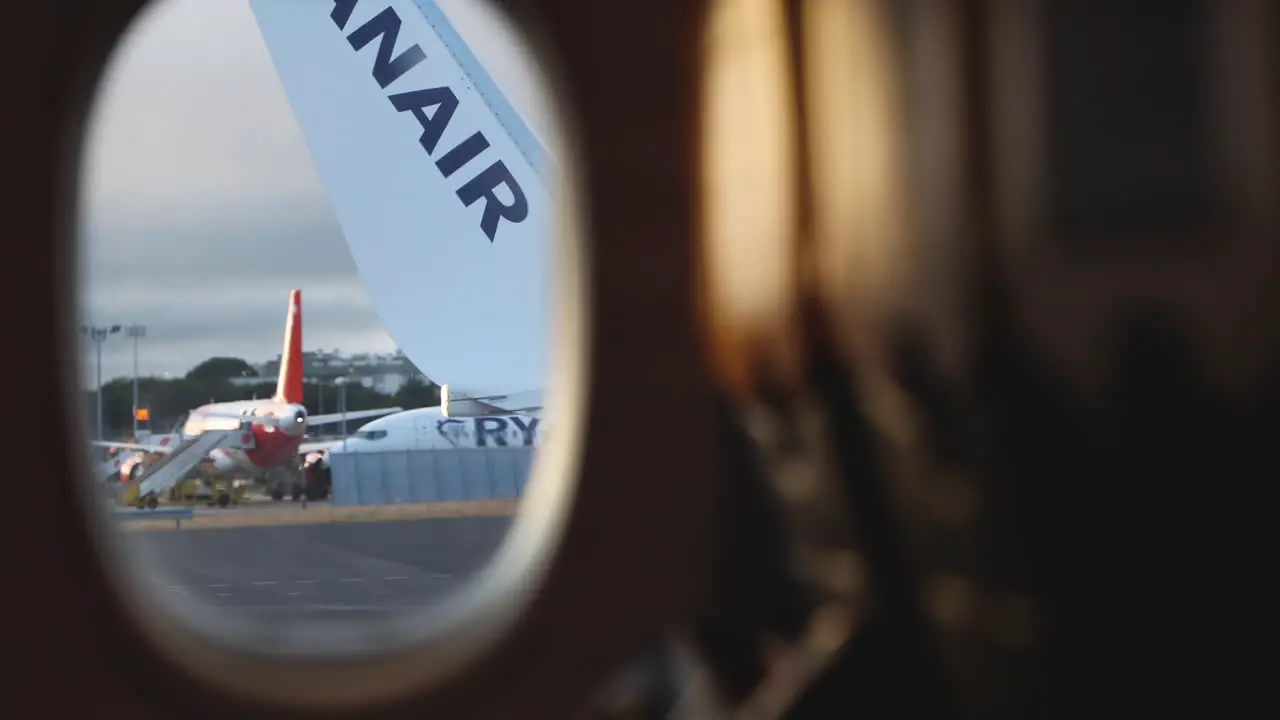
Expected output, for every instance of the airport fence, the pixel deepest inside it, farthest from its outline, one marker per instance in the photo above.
(417, 476)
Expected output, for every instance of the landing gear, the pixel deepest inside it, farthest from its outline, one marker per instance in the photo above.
(317, 481)
(152, 502)
(279, 480)
(224, 498)
(295, 492)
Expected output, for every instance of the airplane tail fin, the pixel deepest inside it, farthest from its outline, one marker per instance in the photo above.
(440, 186)
(289, 386)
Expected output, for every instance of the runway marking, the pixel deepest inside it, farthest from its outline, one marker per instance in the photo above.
(396, 577)
(439, 575)
(293, 593)
(306, 581)
(221, 585)
(224, 594)
(266, 582)
(352, 579)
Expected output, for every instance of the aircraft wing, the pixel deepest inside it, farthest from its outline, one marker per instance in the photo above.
(453, 405)
(143, 447)
(352, 415)
(441, 188)
(308, 448)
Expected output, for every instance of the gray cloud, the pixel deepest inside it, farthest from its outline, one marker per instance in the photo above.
(200, 207)
(220, 286)
(232, 252)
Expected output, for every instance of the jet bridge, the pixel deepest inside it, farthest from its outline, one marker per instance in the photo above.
(173, 467)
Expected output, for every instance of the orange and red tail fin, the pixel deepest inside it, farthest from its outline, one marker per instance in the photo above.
(289, 386)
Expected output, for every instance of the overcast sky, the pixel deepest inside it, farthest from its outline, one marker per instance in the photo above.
(201, 207)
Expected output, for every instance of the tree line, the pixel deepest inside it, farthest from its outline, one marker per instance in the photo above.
(167, 399)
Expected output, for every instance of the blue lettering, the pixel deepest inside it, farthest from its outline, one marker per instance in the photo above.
(415, 101)
(483, 186)
(497, 431)
(450, 429)
(341, 12)
(386, 70)
(526, 431)
(466, 151)
(387, 25)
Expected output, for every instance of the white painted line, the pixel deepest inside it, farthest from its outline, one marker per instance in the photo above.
(306, 581)
(293, 593)
(224, 594)
(395, 577)
(219, 586)
(352, 579)
(266, 582)
(439, 575)
(176, 587)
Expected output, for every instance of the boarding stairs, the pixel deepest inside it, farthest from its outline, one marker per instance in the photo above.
(173, 467)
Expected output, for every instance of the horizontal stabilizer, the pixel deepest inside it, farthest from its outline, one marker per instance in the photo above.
(350, 416)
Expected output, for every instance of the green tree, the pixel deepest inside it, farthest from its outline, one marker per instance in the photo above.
(220, 369)
(255, 391)
(360, 397)
(416, 393)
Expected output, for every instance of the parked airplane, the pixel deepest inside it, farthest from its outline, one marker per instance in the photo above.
(427, 165)
(261, 435)
(430, 429)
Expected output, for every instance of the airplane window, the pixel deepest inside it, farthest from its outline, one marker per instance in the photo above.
(210, 169)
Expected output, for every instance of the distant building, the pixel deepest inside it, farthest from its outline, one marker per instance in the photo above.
(384, 372)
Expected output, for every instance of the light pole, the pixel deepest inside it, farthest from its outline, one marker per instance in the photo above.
(136, 332)
(99, 335)
(342, 406)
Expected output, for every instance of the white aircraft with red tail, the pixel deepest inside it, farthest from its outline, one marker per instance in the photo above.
(247, 435)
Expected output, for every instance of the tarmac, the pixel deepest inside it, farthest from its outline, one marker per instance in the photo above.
(258, 512)
(321, 562)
